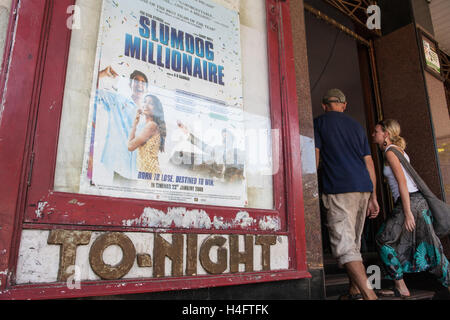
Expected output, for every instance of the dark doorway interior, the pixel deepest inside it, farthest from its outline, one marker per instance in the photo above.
(334, 62)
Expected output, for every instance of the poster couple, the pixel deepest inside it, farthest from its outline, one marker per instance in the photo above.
(122, 137)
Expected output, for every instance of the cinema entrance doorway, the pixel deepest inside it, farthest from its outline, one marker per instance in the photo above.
(340, 56)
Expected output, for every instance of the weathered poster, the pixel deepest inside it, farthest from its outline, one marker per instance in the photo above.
(166, 114)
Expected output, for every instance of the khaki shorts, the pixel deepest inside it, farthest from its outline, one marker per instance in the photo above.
(346, 214)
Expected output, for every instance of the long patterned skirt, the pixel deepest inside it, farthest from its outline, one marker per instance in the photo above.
(402, 251)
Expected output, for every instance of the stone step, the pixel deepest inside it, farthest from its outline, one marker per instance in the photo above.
(337, 284)
(415, 295)
(423, 285)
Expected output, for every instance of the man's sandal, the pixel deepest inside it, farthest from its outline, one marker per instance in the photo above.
(348, 296)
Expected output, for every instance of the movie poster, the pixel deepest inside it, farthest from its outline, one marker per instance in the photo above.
(166, 114)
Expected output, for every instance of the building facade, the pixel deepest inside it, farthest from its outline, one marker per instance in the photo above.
(165, 150)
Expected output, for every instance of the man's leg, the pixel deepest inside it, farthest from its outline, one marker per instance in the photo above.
(357, 274)
(353, 288)
(358, 221)
(357, 277)
(346, 218)
(356, 269)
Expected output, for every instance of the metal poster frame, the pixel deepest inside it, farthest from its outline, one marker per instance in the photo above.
(34, 81)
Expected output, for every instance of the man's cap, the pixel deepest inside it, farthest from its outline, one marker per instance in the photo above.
(334, 93)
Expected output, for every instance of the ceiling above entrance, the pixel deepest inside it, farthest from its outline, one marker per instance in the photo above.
(440, 13)
(355, 9)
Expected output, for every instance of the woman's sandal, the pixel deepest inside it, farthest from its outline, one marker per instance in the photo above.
(385, 292)
(399, 295)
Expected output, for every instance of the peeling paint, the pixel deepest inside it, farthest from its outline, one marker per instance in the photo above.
(220, 224)
(3, 273)
(40, 208)
(243, 219)
(197, 219)
(75, 201)
(270, 223)
(179, 217)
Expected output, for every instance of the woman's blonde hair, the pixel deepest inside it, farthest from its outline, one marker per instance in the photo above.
(392, 127)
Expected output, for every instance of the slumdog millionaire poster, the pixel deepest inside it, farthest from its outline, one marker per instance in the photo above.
(166, 114)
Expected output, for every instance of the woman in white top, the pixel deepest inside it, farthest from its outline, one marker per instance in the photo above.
(406, 241)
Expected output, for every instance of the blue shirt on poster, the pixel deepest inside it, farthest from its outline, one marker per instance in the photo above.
(343, 145)
(121, 114)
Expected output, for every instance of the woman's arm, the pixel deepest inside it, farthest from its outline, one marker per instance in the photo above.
(134, 141)
(396, 167)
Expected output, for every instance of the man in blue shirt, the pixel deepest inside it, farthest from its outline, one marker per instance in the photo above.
(349, 186)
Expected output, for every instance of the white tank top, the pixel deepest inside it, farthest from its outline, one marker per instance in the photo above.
(393, 184)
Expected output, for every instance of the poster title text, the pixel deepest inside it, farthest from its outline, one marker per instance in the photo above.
(173, 49)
